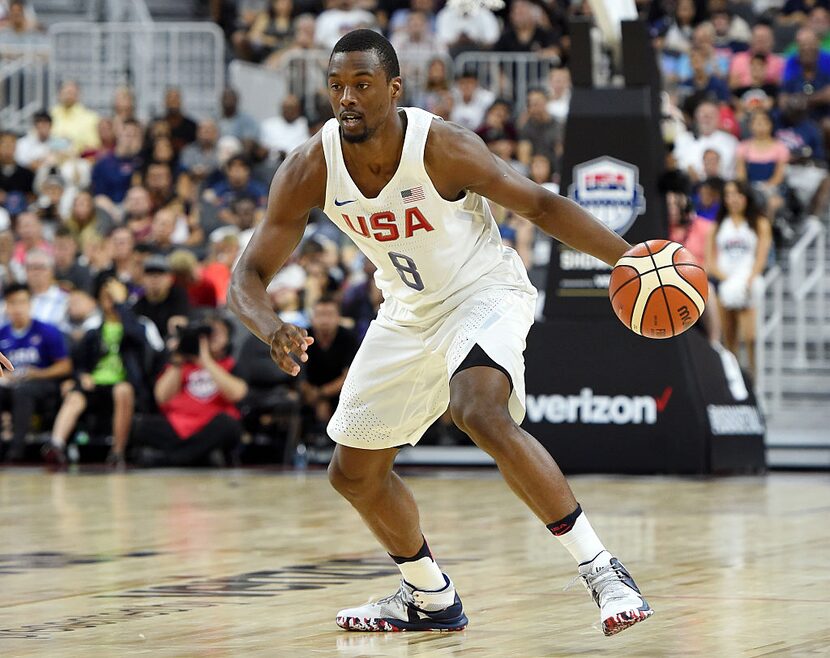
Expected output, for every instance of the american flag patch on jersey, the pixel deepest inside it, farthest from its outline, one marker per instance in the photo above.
(413, 194)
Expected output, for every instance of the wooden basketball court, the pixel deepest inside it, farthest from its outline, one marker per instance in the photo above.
(253, 563)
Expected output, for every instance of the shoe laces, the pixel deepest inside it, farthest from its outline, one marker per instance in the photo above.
(607, 583)
(404, 595)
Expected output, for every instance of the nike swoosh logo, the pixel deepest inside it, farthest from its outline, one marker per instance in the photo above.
(343, 203)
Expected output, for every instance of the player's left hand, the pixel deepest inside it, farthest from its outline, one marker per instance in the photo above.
(5, 364)
(289, 340)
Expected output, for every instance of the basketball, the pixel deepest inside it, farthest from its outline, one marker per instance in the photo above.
(657, 289)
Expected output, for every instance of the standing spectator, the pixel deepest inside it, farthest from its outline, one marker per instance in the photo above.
(74, 121)
(108, 370)
(163, 303)
(807, 74)
(762, 162)
(525, 34)
(762, 43)
(200, 158)
(282, 134)
(237, 124)
(197, 394)
(39, 145)
(112, 175)
(329, 358)
(40, 361)
(340, 17)
(49, 302)
(464, 27)
(16, 182)
(736, 258)
(182, 128)
(689, 149)
(69, 273)
(540, 134)
(470, 102)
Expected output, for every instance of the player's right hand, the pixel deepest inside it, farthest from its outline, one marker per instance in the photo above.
(286, 341)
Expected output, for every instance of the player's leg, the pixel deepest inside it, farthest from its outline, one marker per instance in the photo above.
(479, 398)
(426, 599)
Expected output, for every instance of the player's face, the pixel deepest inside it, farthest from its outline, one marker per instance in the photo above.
(361, 97)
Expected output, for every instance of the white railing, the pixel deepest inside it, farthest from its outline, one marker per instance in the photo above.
(807, 281)
(508, 75)
(261, 90)
(769, 339)
(80, 9)
(148, 57)
(23, 90)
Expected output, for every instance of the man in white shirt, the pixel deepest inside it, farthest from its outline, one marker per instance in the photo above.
(470, 102)
(340, 17)
(689, 149)
(49, 303)
(282, 134)
(472, 28)
(39, 143)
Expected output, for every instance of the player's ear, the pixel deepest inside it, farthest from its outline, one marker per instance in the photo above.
(397, 87)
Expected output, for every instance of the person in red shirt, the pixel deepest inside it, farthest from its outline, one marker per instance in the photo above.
(197, 395)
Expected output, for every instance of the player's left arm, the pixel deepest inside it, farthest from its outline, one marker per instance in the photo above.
(457, 159)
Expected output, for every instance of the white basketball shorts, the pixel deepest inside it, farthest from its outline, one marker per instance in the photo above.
(399, 381)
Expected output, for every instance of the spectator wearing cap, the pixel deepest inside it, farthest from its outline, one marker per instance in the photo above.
(113, 174)
(238, 183)
(201, 158)
(16, 182)
(69, 273)
(282, 134)
(182, 127)
(74, 121)
(49, 302)
(162, 302)
(470, 101)
(237, 124)
(39, 145)
(762, 43)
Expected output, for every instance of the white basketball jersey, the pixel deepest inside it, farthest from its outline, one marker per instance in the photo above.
(430, 253)
(736, 245)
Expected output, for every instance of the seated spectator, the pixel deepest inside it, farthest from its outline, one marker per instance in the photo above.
(329, 358)
(138, 213)
(708, 197)
(30, 238)
(69, 273)
(237, 124)
(7, 269)
(689, 149)
(398, 13)
(19, 33)
(83, 314)
(52, 204)
(303, 41)
(108, 370)
(540, 134)
(541, 173)
(362, 300)
(702, 85)
(237, 184)
(759, 94)
(224, 250)
(470, 102)
(200, 158)
(559, 99)
(798, 11)
(70, 119)
(762, 43)
(162, 302)
(270, 31)
(123, 266)
(197, 394)
(39, 144)
(182, 127)
(415, 46)
(187, 276)
(525, 33)
(436, 86)
(40, 361)
(715, 61)
(160, 182)
(731, 31)
(680, 27)
(464, 27)
(16, 182)
(86, 220)
(340, 17)
(123, 108)
(282, 134)
(113, 174)
(807, 74)
(48, 300)
(762, 162)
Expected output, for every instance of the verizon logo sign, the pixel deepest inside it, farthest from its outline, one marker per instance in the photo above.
(588, 407)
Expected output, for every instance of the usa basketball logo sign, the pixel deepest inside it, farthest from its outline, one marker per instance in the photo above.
(610, 190)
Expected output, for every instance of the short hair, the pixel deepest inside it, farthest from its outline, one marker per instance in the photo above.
(132, 122)
(42, 115)
(238, 159)
(363, 40)
(14, 288)
(327, 298)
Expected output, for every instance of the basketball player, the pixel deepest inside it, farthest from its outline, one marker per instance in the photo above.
(409, 189)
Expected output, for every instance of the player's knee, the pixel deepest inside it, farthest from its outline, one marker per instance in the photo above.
(348, 484)
(487, 425)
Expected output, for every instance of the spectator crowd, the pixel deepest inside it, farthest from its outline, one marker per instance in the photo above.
(118, 233)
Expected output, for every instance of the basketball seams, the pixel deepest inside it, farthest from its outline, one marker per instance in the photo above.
(677, 280)
(665, 297)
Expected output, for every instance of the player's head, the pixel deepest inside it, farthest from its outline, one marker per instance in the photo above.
(364, 80)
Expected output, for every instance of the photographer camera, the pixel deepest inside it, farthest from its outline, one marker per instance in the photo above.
(197, 395)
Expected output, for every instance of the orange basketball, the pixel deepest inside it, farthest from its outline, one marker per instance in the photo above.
(657, 289)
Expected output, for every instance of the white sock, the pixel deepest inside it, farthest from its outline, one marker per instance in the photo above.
(583, 544)
(421, 570)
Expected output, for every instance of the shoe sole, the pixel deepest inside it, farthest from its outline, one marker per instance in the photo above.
(623, 620)
(375, 625)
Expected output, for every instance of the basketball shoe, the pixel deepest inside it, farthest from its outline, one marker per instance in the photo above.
(620, 603)
(408, 609)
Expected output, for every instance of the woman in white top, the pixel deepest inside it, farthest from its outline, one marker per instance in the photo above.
(736, 256)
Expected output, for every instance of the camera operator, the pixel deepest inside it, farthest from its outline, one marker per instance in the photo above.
(197, 395)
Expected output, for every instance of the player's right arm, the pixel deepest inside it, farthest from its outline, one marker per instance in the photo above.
(298, 186)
